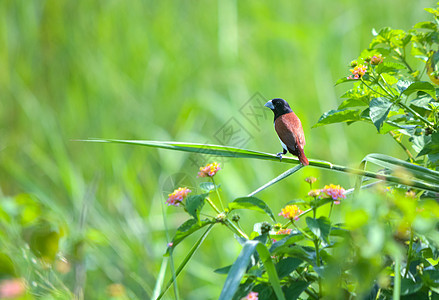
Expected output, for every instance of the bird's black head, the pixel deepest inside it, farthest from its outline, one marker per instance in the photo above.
(279, 107)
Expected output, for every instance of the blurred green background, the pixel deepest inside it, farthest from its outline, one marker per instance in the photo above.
(162, 70)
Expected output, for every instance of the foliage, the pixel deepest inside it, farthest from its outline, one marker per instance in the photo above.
(386, 245)
(88, 223)
(394, 93)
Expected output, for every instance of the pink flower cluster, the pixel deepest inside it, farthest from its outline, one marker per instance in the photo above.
(358, 72)
(251, 296)
(336, 192)
(209, 170)
(177, 196)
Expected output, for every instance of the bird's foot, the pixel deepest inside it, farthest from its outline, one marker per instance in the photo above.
(279, 155)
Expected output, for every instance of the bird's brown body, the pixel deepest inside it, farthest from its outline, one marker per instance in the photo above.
(289, 129)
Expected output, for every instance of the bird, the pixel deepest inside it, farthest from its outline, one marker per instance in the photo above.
(289, 129)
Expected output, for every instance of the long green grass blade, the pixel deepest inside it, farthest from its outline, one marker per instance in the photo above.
(393, 164)
(265, 256)
(186, 260)
(226, 151)
(160, 278)
(239, 267)
(277, 179)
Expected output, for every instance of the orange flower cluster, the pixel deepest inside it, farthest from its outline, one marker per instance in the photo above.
(284, 231)
(358, 72)
(291, 212)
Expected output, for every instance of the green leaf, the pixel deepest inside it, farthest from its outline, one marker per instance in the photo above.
(296, 289)
(422, 102)
(432, 11)
(393, 164)
(320, 227)
(430, 277)
(223, 270)
(337, 116)
(420, 86)
(208, 187)
(251, 203)
(390, 79)
(426, 25)
(408, 286)
(287, 265)
(185, 230)
(194, 204)
(389, 67)
(343, 80)
(279, 246)
(227, 151)
(431, 147)
(351, 103)
(379, 109)
(305, 253)
(214, 150)
(239, 267)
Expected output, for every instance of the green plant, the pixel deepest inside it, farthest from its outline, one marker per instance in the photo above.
(392, 92)
(385, 242)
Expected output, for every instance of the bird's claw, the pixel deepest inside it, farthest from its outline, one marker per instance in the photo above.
(279, 155)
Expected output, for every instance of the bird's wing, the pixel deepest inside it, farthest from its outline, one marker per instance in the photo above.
(289, 129)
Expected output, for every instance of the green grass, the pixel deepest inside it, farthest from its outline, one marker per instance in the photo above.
(166, 71)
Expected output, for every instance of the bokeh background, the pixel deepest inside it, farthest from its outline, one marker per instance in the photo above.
(168, 71)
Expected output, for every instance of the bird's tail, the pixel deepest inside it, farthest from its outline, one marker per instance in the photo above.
(302, 158)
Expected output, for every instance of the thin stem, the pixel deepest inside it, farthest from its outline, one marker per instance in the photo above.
(372, 88)
(287, 223)
(171, 254)
(312, 294)
(235, 228)
(302, 232)
(213, 205)
(330, 210)
(378, 294)
(423, 71)
(402, 58)
(238, 226)
(416, 114)
(397, 279)
(227, 222)
(278, 178)
(390, 94)
(185, 261)
(409, 254)
(388, 86)
(316, 245)
(402, 146)
(217, 193)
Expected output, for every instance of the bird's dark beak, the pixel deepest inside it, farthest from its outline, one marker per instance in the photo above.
(269, 104)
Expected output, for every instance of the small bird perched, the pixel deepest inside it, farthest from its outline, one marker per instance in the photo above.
(289, 129)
